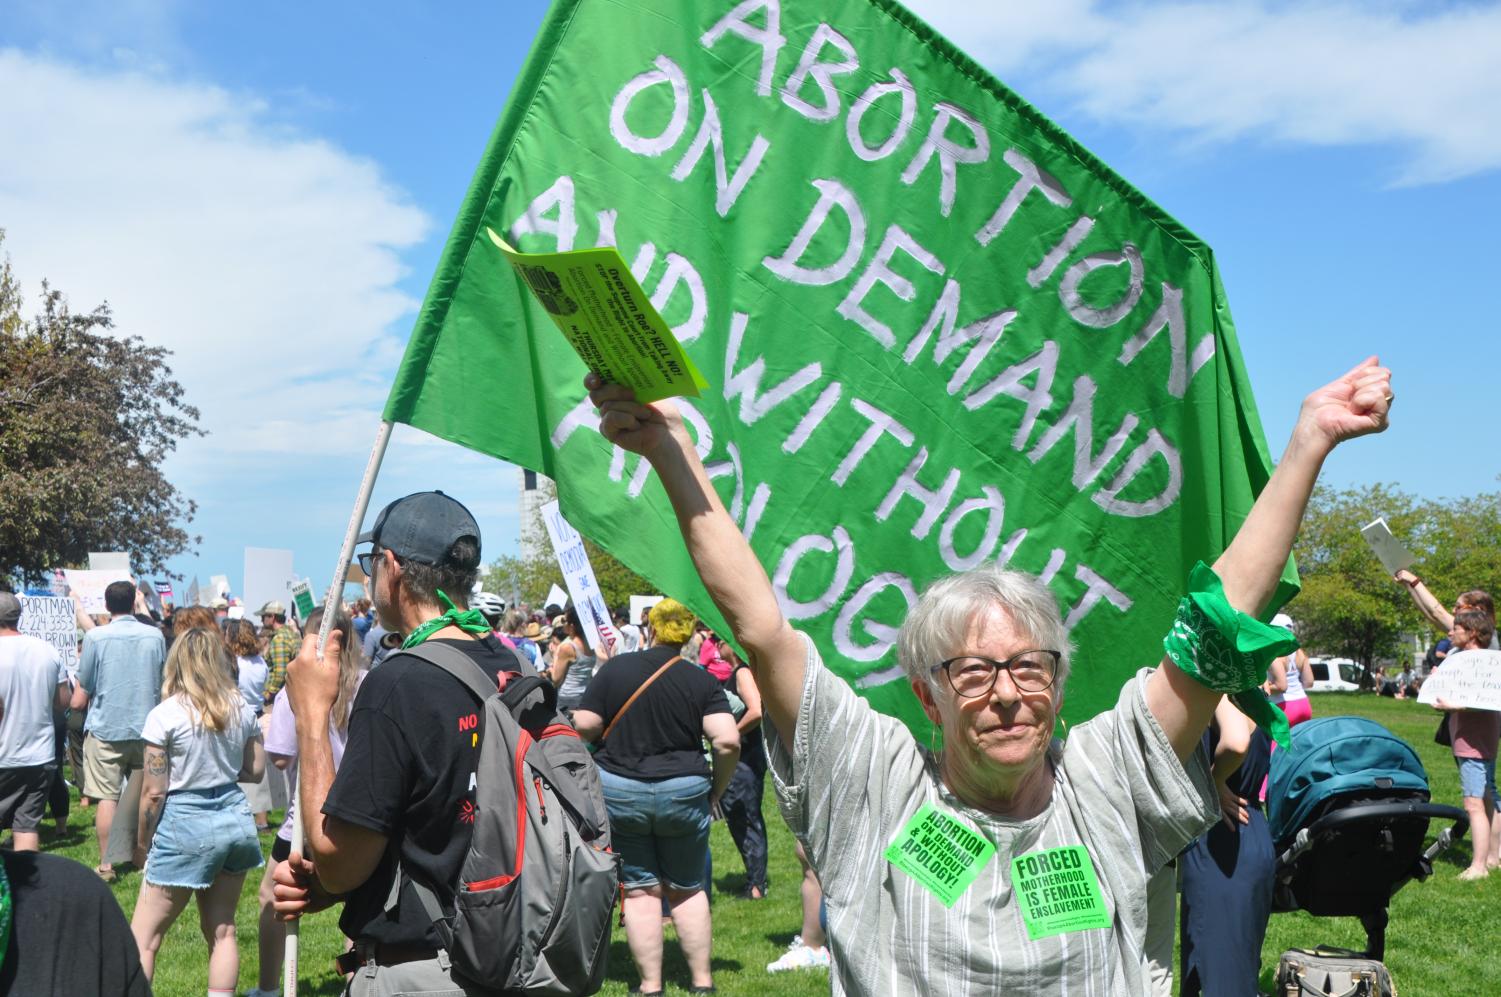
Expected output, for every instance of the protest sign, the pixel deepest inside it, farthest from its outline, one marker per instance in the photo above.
(52, 619)
(556, 597)
(88, 587)
(578, 575)
(268, 577)
(151, 595)
(940, 331)
(164, 589)
(640, 603)
(302, 598)
(607, 319)
(1387, 548)
(219, 586)
(195, 593)
(117, 561)
(1471, 679)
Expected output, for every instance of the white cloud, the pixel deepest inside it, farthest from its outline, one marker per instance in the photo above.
(267, 261)
(1423, 78)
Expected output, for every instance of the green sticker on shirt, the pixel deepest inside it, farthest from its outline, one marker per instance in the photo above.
(942, 853)
(1058, 891)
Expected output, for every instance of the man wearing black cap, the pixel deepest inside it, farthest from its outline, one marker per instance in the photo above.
(405, 787)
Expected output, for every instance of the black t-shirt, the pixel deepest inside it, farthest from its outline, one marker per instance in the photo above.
(662, 735)
(67, 935)
(752, 750)
(408, 773)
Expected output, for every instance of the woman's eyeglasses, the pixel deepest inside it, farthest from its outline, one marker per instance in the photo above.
(973, 676)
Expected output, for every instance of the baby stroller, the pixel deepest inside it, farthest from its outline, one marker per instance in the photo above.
(1348, 811)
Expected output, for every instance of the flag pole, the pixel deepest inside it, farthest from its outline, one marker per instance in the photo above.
(330, 606)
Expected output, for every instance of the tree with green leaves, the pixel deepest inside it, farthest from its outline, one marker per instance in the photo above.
(86, 420)
(1349, 604)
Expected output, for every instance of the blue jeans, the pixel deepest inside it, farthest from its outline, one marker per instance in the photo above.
(659, 828)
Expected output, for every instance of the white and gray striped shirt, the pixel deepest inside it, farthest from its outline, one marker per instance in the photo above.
(855, 777)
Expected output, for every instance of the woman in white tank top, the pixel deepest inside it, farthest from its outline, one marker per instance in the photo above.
(1288, 680)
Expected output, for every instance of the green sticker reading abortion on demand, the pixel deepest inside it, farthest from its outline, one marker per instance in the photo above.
(1058, 892)
(941, 853)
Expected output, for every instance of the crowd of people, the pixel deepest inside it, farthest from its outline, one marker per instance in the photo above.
(204, 716)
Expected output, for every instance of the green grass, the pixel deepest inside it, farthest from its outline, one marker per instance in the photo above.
(1442, 937)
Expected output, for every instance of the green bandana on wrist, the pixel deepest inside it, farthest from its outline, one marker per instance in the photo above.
(468, 620)
(1227, 650)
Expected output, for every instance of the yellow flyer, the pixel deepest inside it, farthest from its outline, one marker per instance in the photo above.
(608, 319)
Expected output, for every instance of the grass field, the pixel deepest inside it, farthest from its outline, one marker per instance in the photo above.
(1442, 939)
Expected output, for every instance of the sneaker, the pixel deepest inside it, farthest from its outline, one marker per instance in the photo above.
(800, 956)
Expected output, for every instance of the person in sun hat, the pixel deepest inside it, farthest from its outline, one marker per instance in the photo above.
(281, 647)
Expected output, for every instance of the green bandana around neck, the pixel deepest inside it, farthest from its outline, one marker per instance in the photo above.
(1228, 650)
(468, 620)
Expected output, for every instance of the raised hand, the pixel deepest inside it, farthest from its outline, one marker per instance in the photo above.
(1353, 405)
(630, 425)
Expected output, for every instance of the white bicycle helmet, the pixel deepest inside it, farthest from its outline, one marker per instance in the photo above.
(492, 605)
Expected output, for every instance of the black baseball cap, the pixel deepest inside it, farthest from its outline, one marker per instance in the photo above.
(422, 527)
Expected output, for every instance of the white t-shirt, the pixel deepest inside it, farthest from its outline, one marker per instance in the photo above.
(199, 758)
(281, 739)
(30, 672)
(253, 674)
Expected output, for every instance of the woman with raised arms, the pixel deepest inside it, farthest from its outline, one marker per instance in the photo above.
(1088, 821)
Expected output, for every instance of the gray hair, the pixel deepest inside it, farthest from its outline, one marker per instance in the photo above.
(10, 611)
(937, 625)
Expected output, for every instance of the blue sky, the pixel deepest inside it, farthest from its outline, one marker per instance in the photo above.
(265, 190)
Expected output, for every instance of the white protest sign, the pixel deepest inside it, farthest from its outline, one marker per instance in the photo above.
(578, 575)
(195, 594)
(268, 577)
(1471, 679)
(1387, 548)
(51, 619)
(113, 560)
(641, 603)
(152, 597)
(555, 595)
(219, 586)
(89, 587)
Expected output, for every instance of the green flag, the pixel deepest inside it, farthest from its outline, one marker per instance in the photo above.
(936, 330)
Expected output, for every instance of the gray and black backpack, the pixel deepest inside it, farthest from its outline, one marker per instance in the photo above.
(538, 886)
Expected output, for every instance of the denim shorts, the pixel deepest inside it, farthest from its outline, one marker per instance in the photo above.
(201, 833)
(659, 828)
(1477, 777)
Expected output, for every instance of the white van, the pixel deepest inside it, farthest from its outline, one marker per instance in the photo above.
(1335, 675)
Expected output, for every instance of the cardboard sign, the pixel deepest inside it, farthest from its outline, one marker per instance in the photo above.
(1387, 548)
(578, 575)
(941, 852)
(51, 619)
(1471, 679)
(1058, 891)
(88, 587)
